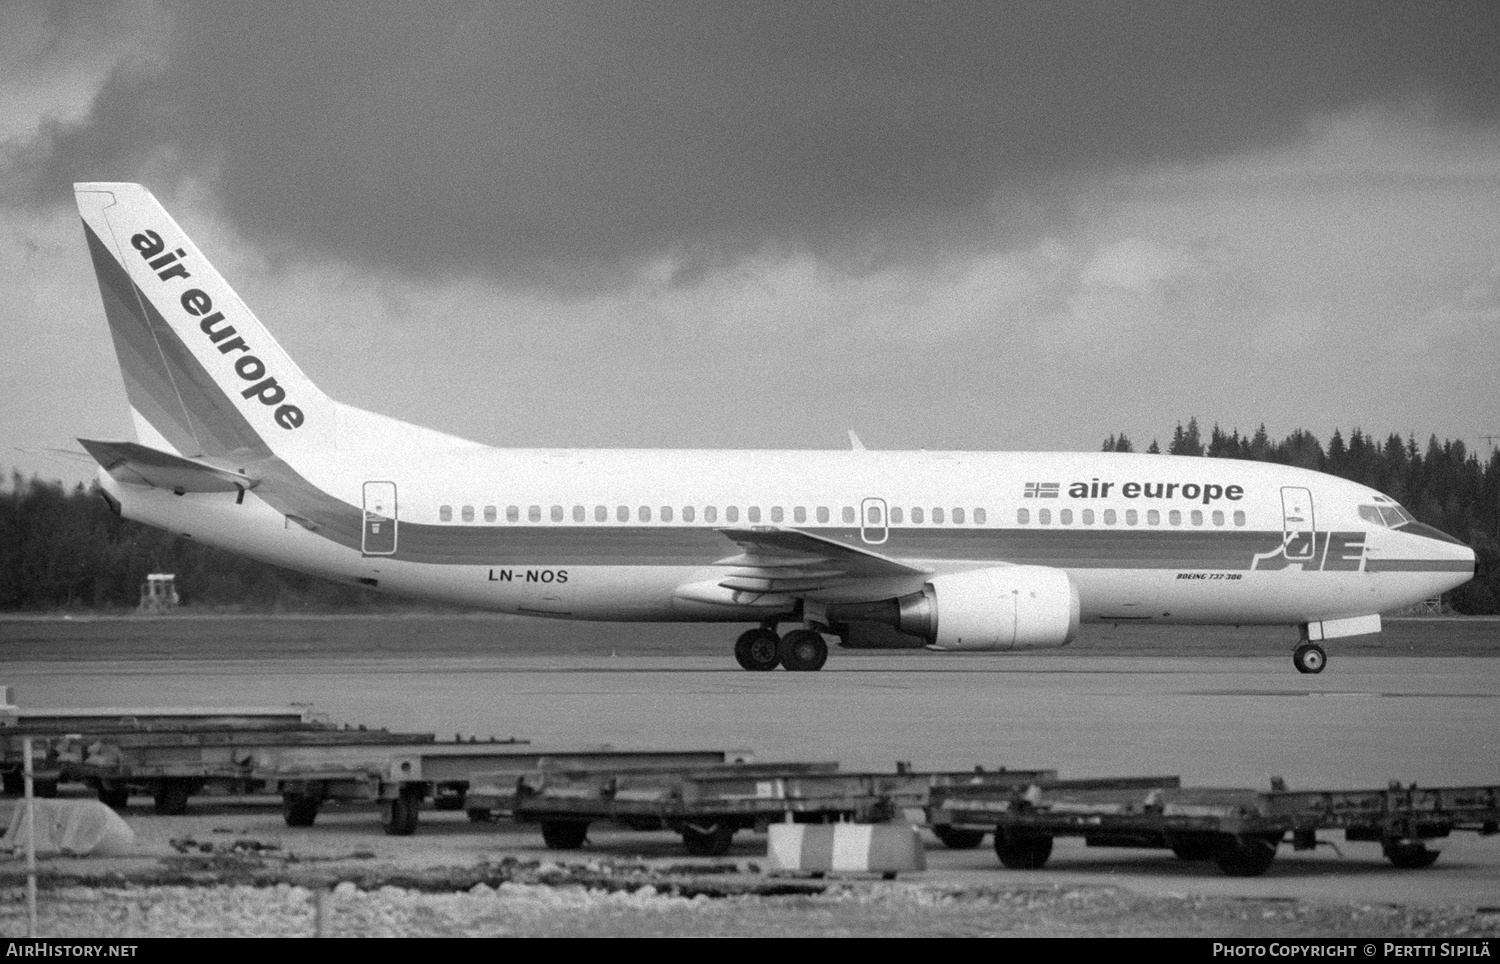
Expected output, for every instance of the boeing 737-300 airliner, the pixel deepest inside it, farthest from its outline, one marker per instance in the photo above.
(236, 447)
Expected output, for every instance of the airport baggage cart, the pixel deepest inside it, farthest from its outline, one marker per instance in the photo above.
(1238, 829)
(707, 807)
(61, 738)
(402, 778)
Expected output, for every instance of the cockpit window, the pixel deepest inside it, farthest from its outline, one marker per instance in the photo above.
(1387, 514)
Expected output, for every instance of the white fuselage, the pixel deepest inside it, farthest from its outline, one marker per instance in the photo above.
(633, 534)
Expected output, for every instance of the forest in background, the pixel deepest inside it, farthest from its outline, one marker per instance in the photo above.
(63, 549)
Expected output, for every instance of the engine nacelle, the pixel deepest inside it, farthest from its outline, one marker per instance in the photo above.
(1009, 607)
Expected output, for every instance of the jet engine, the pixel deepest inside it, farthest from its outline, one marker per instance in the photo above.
(1009, 607)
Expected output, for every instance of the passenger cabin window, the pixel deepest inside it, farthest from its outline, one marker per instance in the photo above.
(822, 513)
(557, 513)
(753, 513)
(643, 513)
(580, 514)
(958, 517)
(895, 515)
(872, 515)
(1218, 517)
(666, 513)
(622, 513)
(937, 516)
(467, 513)
(601, 513)
(1088, 517)
(534, 513)
(512, 513)
(1153, 518)
(688, 512)
(979, 517)
(489, 513)
(1197, 517)
(1175, 517)
(1065, 517)
(1132, 517)
(1043, 516)
(710, 513)
(916, 516)
(848, 515)
(1239, 517)
(732, 514)
(445, 513)
(799, 515)
(1023, 516)
(1109, 517)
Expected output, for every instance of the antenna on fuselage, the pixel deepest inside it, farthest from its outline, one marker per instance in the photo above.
(854, 443)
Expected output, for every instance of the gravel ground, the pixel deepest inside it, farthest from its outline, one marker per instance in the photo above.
(537, 910)
(247, 895)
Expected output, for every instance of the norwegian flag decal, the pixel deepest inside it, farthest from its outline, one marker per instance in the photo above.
(1042, 490)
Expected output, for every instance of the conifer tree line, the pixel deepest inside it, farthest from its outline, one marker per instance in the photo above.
(64, 549)
(1444, 484)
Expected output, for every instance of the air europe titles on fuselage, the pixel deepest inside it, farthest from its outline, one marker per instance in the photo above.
(1206, 492)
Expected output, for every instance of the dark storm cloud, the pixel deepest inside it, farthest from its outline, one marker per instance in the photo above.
(565, 137)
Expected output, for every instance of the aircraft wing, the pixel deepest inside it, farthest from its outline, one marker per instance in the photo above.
(140, 465)
(777, 560)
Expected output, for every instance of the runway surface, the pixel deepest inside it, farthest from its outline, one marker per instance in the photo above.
(1214, 721)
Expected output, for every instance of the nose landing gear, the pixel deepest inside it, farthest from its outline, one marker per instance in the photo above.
(1309, 658)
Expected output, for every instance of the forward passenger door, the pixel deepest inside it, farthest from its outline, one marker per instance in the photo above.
(1298, 532)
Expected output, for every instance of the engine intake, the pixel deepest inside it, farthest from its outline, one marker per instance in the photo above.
(1009, 607)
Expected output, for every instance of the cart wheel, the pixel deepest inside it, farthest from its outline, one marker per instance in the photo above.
(299, 811)
(171, 797)
(1192, 847)
(1022, 851)
(113, 794)
(399, 816)
(564, 834)
(957, 838)
(708, 840)
(1244, 856)
(1410, 854)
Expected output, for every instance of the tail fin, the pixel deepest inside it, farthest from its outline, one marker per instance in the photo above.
(203, 376)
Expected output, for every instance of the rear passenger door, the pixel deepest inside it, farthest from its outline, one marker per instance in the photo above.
(379, 535)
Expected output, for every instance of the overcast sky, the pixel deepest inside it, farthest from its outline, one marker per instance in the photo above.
(750, 224)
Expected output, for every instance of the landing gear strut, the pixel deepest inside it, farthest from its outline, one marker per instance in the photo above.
(1309, 658)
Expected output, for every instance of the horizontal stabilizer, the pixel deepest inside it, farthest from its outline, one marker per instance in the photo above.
(136, 464)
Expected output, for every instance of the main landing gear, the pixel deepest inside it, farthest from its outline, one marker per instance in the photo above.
(800, 650)
(1309, 658)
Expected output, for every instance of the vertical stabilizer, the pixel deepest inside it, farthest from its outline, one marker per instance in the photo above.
(204, 377)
